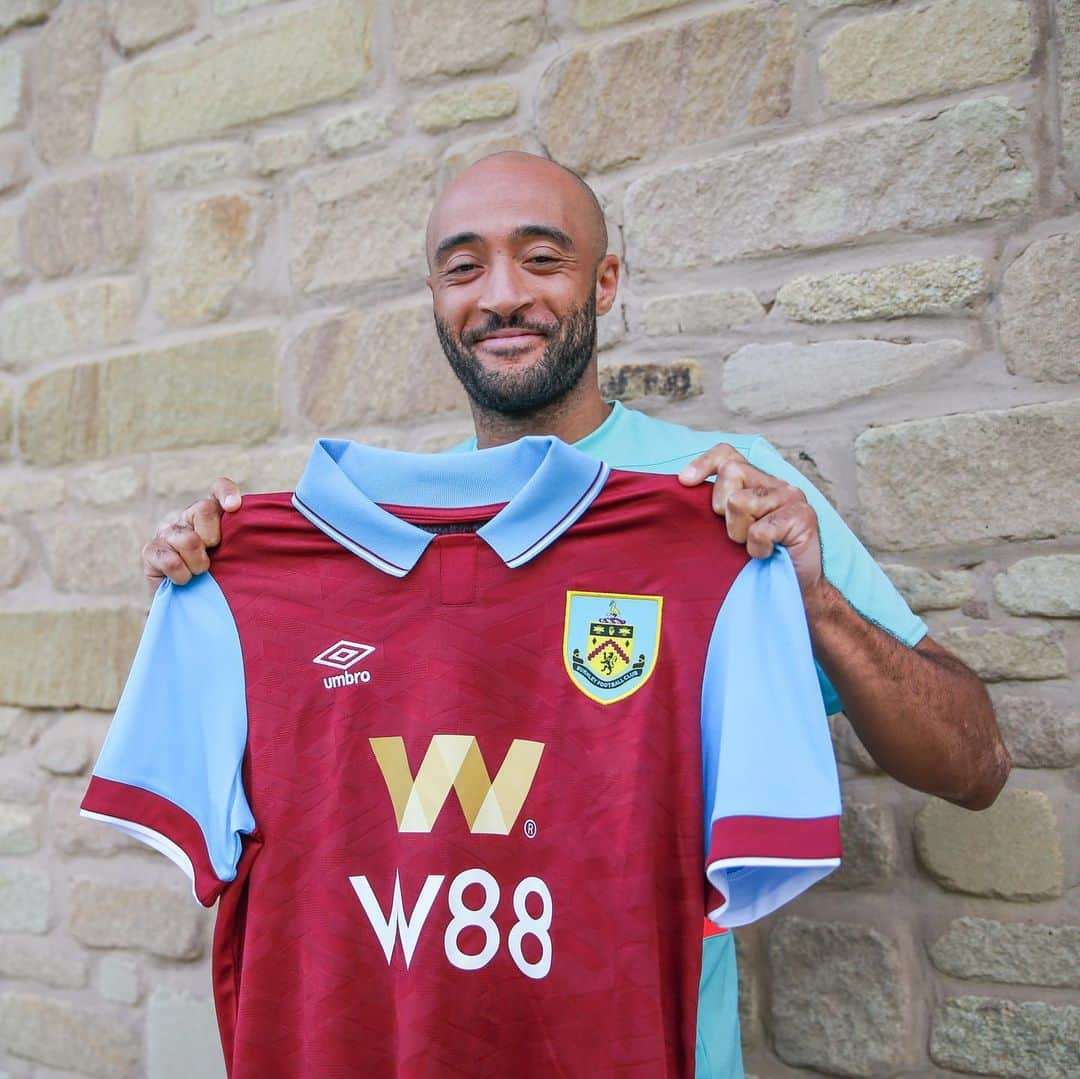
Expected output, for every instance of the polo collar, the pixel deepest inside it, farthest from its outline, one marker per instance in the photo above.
(546, 485)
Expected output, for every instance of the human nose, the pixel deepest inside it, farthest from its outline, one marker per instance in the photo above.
(506, 289)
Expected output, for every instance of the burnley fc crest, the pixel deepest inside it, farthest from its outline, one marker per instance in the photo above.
(610, 642)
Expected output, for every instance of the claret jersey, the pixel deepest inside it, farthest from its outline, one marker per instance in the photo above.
(465, 747)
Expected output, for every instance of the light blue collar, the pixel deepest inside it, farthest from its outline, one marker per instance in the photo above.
(546, 485)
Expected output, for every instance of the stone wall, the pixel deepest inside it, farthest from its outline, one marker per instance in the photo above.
(852, 225)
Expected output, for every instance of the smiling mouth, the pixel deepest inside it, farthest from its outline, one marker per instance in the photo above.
(521, 339)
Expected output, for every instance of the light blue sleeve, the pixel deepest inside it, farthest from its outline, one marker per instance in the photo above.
(169, 773)
(846, 563)
(772, 795)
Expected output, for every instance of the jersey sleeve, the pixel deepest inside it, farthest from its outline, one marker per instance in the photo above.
(772, 795)
(169, 773)
(846, 564)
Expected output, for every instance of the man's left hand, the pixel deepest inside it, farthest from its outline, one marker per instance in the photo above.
(761, 511)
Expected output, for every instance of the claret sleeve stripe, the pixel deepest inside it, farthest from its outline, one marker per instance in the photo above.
(772, 796)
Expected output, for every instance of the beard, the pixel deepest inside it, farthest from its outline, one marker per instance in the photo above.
(521, 392)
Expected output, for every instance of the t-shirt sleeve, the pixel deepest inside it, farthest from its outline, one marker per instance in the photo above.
(169, 773)
(846, 563)
(772, 795)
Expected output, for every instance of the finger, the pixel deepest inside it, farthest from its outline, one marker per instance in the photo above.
(793, 525)
(188, 544)
(204, 517)
(161, 561)
(701, 468)
(749, 504)
(227, 493)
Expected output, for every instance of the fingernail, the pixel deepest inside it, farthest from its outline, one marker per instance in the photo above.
(688, 473)
(231, 502)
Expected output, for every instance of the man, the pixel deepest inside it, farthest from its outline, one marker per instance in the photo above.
(519, 272)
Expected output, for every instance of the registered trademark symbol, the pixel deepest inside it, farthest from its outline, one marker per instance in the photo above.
(530, 829)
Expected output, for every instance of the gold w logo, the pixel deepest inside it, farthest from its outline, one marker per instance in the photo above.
(491, 806)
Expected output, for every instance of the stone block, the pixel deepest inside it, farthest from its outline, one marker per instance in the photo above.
(1067, 38)
(847, 746)
(118, 980)
(1040, 310)
(20, 781)
(203, 253)
(13, 552)
(10, 256)
(192, 472)
(1049, 586)
(11, 87)
(64, 1035)
(107, 485)
(138, 24)
(700, 312)
(785, 379)
(18, 730)
(382, 365)
(612, 102)
(452, 37)
(214, 389)
(932, 590)
(1009, 851)
(1069, 108)
(95, 554)
(676, 381)
(869, 845)
(952, 479)
(15, 13)
(154, 918)
(838, 1000)
(1039, 733)
(907, 174)
(196, 166)
(452, 108)
(80, 318)
(14, 168)
(936, 49)
(257, 71)
(18, 829)
(280, 151)
(25, 899)
(1017, 953)
(75, 835)
(68, 70)
(929, 287)
(49, 960)
(91, 223)
(367, 126)
(6, 415)
(231, 7)
(281, 468)
(996, 654)
(999, 1037)
(182, 1037)
(68, 746)
(360, 222)
(67, 658)
(591, 14)
(32, 493)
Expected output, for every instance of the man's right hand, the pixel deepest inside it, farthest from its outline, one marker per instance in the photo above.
(179, 549)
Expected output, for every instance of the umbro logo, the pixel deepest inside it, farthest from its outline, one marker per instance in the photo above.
(341, 656)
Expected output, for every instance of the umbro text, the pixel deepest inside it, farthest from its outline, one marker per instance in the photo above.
(346, 679)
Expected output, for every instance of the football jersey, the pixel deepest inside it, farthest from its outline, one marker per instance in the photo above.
(465, 747)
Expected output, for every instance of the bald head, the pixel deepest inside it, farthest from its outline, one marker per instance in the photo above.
(513, 190)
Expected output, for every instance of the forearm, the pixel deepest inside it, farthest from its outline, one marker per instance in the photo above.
(924, 717)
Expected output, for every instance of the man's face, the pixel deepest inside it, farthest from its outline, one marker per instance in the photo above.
(514, 285)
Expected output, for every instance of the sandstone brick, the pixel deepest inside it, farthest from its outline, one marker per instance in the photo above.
(279, 151)
(1040, 310)
(380, 365)
(191, 472)
(609, 103)
(248, 74)
(849, 750)
(67, 658)
(81, 318)
(72, 834)
(367, 126)
(95, 555)
(196, 166)
(1049, 585)
(13, 552)
(64, 1035)
(280, 468)
(231, 7)
(700, 312)
(629, 381)
(30, 493)
(92, 223)
(785, 379)
(182, 1037)
(20, 782)
(67, 747)
(443, 37)
(610, 328)
(10, 256)
(998, 654)
(969, 463)
(138, 24)
(360, 222)
(18, 730)
(11, 87)
(204, 252)
(1069, 93)
(6, 416)
(1009, 851)
(590, 14)
(14, 170)
(1038, 732)
(838, 1002)
(928, 287)
(214, 389)
(1017, 953)
(107, 485)
(452, 108)
(1068, 38)
(154, 918)
(932, 590)
(901, 174)
(25, 899)
(69, 66)
(999, 1037)
(945, 46)
(14, 13)
(462, 155)
(18, 829)
(869, 846)
(829, 5)
(118, 980)
(49, 960)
